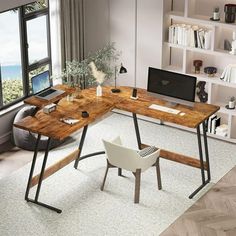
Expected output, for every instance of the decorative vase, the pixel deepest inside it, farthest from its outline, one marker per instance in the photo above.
(99, 90)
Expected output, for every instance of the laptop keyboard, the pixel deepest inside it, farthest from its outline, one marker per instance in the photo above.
(46, 93)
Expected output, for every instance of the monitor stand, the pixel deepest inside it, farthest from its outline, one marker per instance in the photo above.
(171, 104)
(171, 101)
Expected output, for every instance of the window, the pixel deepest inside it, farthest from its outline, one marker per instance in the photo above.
(10, 58)
(37, 39)
(25, 50)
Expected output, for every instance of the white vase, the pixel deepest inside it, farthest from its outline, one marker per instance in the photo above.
(99, 90)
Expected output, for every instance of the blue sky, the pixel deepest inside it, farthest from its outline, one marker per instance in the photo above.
(10, 39)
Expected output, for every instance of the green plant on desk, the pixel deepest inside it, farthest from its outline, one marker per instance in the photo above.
(78, 74)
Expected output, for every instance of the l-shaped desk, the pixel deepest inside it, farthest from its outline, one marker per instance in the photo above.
(50, 125)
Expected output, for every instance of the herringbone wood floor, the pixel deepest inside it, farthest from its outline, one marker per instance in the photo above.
(212, 215)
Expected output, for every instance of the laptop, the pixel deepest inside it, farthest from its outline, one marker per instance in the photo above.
(41, 87)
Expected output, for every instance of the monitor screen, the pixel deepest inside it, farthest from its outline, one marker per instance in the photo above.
(40, 82)
(171, 84)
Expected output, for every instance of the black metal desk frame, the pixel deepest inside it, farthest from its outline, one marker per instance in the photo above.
(79, 158)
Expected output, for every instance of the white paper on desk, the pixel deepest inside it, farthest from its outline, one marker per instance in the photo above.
(70, 121)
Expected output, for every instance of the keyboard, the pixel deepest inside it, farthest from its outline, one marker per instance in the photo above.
(47, 92)
(165, 109)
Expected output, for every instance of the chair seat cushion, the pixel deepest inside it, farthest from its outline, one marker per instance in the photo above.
(147, 151)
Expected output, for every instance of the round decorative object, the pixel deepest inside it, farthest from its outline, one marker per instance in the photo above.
(197, 64)
(210, 71)
(201, 93)
(27, 140)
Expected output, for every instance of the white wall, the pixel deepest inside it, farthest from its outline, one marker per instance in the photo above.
(149, 50)
(5, 5)
(122, 14)
(149, 37)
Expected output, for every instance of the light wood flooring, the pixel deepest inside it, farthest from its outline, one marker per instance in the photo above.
(212, 215)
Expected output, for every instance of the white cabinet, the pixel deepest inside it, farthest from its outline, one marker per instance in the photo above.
(180, 58)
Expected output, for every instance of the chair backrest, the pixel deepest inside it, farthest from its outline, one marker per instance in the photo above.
(127, 158)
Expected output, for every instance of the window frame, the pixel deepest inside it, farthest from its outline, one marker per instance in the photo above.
(26, 68)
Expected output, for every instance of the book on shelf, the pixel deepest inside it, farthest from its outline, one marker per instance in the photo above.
(213, 123)
(190, 36)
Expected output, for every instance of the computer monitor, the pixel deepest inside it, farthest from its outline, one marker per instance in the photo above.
(40, 82)
(172, 87)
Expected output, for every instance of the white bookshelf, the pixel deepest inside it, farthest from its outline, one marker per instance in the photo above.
(179, 58)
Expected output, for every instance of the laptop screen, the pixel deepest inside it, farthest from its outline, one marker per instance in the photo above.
(40, 82)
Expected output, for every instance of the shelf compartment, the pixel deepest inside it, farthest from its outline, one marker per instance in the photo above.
(171, 59)
(208, 60)
(201, 10)
(221, 96)
(224, 119)
(223, 34)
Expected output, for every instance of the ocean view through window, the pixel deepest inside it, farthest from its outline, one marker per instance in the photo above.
(25, 50)
(10, 57)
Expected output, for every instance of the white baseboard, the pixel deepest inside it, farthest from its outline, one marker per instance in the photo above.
(4, 138)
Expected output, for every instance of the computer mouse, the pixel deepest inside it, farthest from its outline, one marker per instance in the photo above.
(85, 114)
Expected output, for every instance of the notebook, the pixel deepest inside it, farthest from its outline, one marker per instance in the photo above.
(41, 86)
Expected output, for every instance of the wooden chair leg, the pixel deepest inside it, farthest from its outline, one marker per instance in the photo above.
(105, 176)
(158, 174)
(137, 185)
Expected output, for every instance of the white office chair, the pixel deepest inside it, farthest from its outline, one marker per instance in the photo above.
(131, 160)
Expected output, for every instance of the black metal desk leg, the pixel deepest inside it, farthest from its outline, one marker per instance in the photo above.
(32, 167)
(42, 169)
(35, 200)
(206, 152)
(204, 182)
(137, 131)
(81, 145)
(201, 154)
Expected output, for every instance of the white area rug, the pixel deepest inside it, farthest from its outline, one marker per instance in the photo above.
(87, 210)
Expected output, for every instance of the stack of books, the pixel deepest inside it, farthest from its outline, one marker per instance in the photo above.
(229, 74)
(213, 124)
(190, 36)
(222, 130)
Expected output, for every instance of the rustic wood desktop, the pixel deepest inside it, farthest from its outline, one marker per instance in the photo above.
(50, 125)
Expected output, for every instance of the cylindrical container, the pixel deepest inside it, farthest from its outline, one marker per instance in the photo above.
(231, 104)
(216, 15)
(197, 65)
(230, 10)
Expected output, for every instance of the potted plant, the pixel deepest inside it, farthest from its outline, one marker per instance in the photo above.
(232, 103)
(79, 74)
